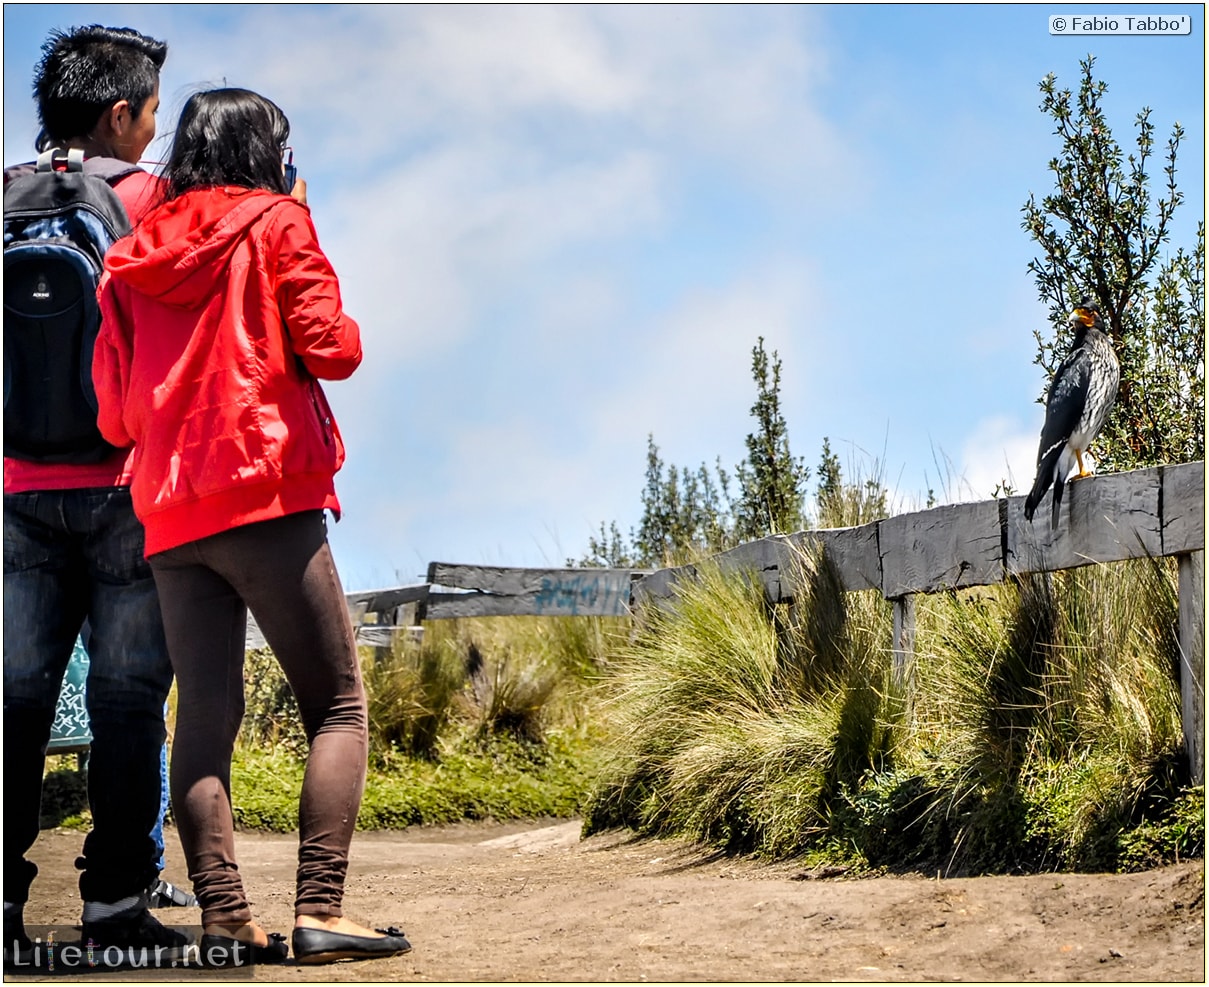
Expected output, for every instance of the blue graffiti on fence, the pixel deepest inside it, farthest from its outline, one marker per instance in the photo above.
(595, 595)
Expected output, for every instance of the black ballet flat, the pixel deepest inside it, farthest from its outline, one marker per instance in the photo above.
(325, 946)
(228, 953)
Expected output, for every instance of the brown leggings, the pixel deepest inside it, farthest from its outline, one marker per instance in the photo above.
(282, 570)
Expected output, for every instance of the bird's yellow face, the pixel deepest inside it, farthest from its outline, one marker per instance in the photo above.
(1084, 315)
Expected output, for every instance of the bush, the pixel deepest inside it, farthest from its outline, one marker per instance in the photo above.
(481, 718)
(741, 726)
(1042, 727)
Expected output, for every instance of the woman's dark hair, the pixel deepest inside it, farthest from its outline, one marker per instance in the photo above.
(84, 71)
(227, 137)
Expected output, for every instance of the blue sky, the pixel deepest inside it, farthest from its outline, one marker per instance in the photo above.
(562, 229)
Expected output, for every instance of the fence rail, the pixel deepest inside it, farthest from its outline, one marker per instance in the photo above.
(1159, 511)
(1149, 512)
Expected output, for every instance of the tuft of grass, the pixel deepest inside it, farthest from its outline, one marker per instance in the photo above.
(412, 694)
(481, 718)
(1048, 714)
(1040, 727)
(738, 725)
(271, 719)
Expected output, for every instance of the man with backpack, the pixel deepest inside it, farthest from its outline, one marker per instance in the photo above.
(73, 549)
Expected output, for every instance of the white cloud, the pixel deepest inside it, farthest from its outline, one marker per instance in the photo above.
(367, 80)
(690, 381)
(998, 449)
(422, 254)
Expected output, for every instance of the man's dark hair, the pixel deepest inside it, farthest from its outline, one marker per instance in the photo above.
(227, 137)
(84, 71)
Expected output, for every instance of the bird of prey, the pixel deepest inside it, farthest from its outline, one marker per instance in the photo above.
(1080, 397)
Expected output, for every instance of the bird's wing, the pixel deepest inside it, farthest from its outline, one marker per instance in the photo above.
(1064, 404)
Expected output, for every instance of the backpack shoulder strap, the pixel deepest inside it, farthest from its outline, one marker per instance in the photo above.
(112, 170)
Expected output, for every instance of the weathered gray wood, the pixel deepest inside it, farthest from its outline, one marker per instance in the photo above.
(573, 592)
(770, 558)
(1104, 519)
(536, 592)
(510, 579)
(1183, 500)
(255, 637)
(549, 592)
(943, 548)
(1192, 659)
(853, 553)
(448, 606)
(659, 585)
(376, 636)
(903, 634)
(383, 600)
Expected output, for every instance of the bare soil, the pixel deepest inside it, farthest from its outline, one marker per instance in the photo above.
(532, 902)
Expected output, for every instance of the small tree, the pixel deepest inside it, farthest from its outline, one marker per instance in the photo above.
(1101, 231)
(772, 482)
(608, 551)
(690, 513)
(829, 495)
(684, 512)
(841, 503)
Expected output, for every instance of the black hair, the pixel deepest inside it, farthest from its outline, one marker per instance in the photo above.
(227, 137)
(84, 71)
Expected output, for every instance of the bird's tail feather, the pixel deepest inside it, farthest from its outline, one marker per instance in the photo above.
(1059, 483)
(1045, 476)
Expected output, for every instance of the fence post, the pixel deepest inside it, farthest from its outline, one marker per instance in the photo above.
(1192, 659)
(904, 639)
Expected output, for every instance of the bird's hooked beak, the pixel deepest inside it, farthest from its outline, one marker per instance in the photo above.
(1087, 316)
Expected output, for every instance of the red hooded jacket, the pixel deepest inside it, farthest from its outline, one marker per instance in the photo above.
(218, 314)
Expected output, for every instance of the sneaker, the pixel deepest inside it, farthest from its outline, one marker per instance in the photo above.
(136, 929)
(17, 945)
(161, 894)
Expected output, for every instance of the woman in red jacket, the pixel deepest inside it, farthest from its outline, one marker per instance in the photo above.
(219, 313)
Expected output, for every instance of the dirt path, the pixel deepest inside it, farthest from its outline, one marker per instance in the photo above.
(532, 902)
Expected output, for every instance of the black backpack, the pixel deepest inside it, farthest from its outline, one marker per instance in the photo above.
(58, 226)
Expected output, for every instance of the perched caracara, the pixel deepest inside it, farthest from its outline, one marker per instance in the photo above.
(1080, 397)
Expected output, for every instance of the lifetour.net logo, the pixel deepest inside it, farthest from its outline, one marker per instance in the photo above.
(60, 950)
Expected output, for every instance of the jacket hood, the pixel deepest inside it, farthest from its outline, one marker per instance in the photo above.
(180, 250)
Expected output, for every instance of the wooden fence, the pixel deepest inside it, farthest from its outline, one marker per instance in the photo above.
(1152, 512)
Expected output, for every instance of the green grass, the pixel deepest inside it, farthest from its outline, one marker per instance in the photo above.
(740, 726)
(64, 794)
(1039, 728)
(484, 718)
(503, 780)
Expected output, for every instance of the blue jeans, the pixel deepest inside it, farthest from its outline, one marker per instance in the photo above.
(72, 556)
(157, 834)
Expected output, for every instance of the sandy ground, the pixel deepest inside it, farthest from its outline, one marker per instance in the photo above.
(488, 902)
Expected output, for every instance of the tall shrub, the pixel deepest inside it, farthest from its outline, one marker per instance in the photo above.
(1102, 231)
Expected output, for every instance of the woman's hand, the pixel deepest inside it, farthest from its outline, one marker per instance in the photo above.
(299, 190)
